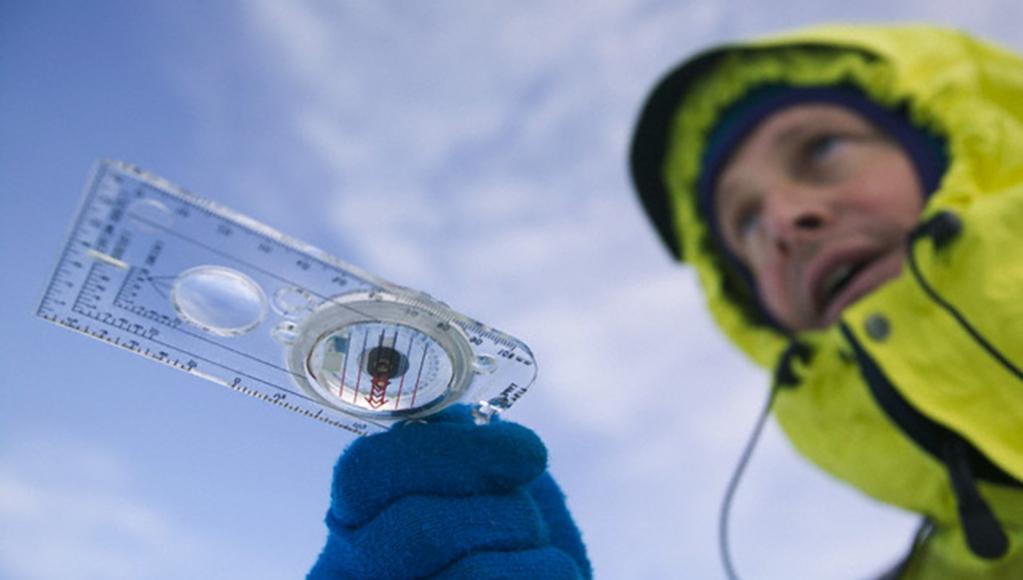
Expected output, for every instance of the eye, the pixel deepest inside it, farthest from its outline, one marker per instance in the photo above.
(743, 222)
(821, 147)
(824, 157)
(746, 222)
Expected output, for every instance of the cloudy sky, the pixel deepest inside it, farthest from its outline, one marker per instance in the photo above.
(475, 150)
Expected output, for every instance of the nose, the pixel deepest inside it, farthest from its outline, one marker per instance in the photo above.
(793, 218)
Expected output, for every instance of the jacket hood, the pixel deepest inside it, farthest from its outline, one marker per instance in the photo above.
(942, 80)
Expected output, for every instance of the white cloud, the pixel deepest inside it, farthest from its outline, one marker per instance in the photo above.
(72, 511)
(65, 513)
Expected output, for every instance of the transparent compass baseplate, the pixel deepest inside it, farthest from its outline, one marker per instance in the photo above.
(181, 280)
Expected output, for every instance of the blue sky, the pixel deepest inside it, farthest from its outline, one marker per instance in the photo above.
(488, 142)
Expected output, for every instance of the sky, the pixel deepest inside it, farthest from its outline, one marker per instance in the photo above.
(474, 150)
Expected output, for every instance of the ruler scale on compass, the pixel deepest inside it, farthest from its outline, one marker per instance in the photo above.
(165, 274)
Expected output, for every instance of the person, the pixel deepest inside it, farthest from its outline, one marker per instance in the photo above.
(850, 197)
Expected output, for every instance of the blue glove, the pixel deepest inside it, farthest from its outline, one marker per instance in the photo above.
(449, 499)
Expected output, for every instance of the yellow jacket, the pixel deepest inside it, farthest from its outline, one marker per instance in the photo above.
(949, 341)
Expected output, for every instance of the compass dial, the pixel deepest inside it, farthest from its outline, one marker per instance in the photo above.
(378, 366)
(379, 358)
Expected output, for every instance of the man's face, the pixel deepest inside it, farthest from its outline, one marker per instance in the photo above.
(817, 203)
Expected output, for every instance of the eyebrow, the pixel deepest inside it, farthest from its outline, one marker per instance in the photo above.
(794, 134)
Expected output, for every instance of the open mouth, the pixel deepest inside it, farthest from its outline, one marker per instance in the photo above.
(841, 284)
(839, 279)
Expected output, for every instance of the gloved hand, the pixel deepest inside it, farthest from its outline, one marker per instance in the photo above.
(449, 499)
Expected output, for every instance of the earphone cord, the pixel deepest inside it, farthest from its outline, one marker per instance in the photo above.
(733, 484)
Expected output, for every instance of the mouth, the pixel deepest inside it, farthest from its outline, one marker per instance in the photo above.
(843, 279)
(837, 280)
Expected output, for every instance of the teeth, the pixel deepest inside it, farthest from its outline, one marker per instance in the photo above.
(836, 278)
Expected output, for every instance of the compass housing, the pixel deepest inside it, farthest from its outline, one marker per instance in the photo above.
(380, 355)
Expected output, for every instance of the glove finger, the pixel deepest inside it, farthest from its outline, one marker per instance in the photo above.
(538, 564)
(420, 535)
(444, 459)
(338, 559)
(563, 532)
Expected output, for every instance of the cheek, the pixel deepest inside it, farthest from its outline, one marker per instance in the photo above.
(893, 194)
(774, 293)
